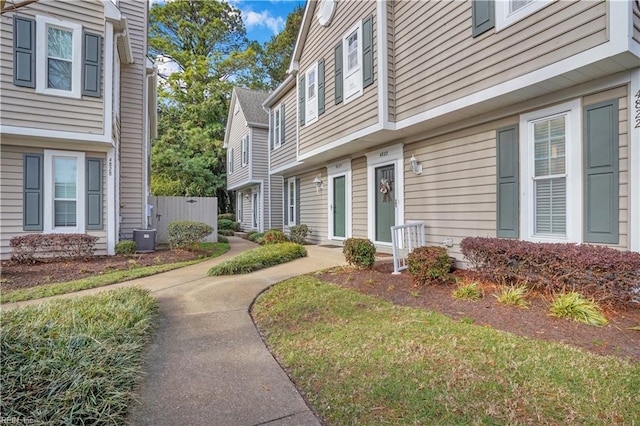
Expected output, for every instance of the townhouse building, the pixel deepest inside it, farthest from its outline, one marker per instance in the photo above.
(77, 114)
(515, 119)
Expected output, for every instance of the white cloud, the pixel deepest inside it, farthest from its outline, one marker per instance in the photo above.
(263, 19)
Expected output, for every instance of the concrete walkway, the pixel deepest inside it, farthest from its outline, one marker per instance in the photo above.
(207, 365)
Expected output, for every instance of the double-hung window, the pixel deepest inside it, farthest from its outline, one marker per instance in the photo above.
(352, 65)
(277, 128)
(230, 159)
(311, 91)
(291, 201)
(59, 54)
(65, 188)
(245, 150)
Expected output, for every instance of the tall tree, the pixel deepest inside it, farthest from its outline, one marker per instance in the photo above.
(276, 55)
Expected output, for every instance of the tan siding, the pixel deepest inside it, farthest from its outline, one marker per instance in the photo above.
(313, 207)
(259, 156)
(132, 144)
(21, 106)
(360, 201)
(247, 217)
(446, 63)
(274, 199)
(338, 120)
(286, 154)
(238, 130)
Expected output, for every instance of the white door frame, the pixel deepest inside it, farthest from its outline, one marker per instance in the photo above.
(334, 170)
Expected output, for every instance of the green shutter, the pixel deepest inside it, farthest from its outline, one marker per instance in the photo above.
(320, 86)
(508, 182)
(297, 201)
(482, 16)
(24, 52)
(282, 121)
(301, 105)
(337, 56)
(32, 205)
(367, 52)
(601, 173)
(91, 63)
(94, 193)
(286, 202)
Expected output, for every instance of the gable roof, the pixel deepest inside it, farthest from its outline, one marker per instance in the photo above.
(251, 105)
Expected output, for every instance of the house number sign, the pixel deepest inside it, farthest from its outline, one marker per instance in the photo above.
(110, 167)
(384, 153)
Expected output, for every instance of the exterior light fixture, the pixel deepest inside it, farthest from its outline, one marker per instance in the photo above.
(318, 183)
(416, 166)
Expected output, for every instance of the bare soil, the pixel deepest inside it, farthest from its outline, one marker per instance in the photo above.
(616, 338)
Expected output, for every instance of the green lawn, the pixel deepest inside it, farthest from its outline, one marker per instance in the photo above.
(74, 361)
(360, 360)
(47, 290)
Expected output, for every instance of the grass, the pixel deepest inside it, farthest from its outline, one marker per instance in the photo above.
(74, 361)
(514, 296)
(574, 306)
(259, 258)
(114, 277)
(361, 360)
(468, 291)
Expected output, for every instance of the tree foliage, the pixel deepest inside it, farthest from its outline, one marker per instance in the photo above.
(277, 52)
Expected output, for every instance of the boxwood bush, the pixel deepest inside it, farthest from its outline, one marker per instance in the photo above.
(226, 224)
(227, 216)
(259, 258)
(299, 233)
(428, 263)
(605, 274)
(359, 252)
(186, 234)
(126, 247)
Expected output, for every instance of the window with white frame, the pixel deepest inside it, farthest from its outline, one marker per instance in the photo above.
(352, 46)
(230, 159)
(291, 201)
(245, 150)
(64, 198)
(551, 171)
(509, 12)
(277, 127)
(239, 207)
(311, 92)
(59, 56)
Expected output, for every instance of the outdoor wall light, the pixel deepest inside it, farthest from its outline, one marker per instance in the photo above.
(318, 183)
(416, 166)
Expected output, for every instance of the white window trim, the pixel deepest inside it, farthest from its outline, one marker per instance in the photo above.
(277, 124)
(239, 207)
(357, 72)
(245, 150)
(42, 23)
(381, 157)
(334, 170)
(308, 119)
(291, 202)
(231, 159)
(255, 209)
(573, 154)
(504, 19)
(49, 191)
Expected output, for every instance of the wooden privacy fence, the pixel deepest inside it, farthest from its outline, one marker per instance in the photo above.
(169, 209)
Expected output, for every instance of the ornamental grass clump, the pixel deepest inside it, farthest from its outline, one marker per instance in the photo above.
(575, 306)
(259, 258)
(428, 263)
(359, 252)
(514, 296)
(468, 291)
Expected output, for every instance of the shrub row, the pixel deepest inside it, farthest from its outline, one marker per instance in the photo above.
(605, 274)
(186, 234)
(28, 248)
(259, 258)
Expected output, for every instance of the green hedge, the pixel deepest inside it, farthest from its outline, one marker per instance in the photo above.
(186, 234)
(259, 258)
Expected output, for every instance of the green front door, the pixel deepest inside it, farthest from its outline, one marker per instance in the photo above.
(339, 207)
(385, 211)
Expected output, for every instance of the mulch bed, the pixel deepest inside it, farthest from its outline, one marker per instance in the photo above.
(535, 322)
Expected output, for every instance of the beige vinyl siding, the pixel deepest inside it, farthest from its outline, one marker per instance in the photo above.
(11, 188)
(623, 114)
(445, 63)
(286, 153)
(247, 216)
(22, 106)
(636, 21)
(132, 142)
(239, 129)
(259, 155)
(274, 200)
(338, 120)
(313, 207)
(359, 198)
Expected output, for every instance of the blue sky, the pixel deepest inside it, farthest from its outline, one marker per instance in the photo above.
(264, 18)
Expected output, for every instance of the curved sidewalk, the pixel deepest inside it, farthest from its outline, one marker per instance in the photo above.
(207, 364)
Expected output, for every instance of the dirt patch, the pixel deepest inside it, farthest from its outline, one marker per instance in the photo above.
(614, 339)
(18, 276)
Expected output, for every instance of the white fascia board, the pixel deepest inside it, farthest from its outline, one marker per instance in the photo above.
(339, 142)
(243, 184)
(383, 64)
(258, 125)
(282, 169)
(54, 134)
(302, 36)
(274, 97)
(634, 162)
(227, 129)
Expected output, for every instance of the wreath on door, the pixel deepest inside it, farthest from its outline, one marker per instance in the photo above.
(385, 190)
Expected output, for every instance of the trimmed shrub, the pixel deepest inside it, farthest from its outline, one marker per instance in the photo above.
(31, 247)
(359, 252)
(226, 224)
(223, 239)
(126, 247)
(299, 233)
(428, 263)
(255, 236)
(186, 234)
(259, 258)
(227, 216)
(274, 236)
(226, 232)
(602, 273)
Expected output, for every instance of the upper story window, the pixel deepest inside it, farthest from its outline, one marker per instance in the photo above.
(509, 12)
(245, 150)
(352, 46)
(311, 89)
(277, 128)
(230, 160)
(59, 57)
